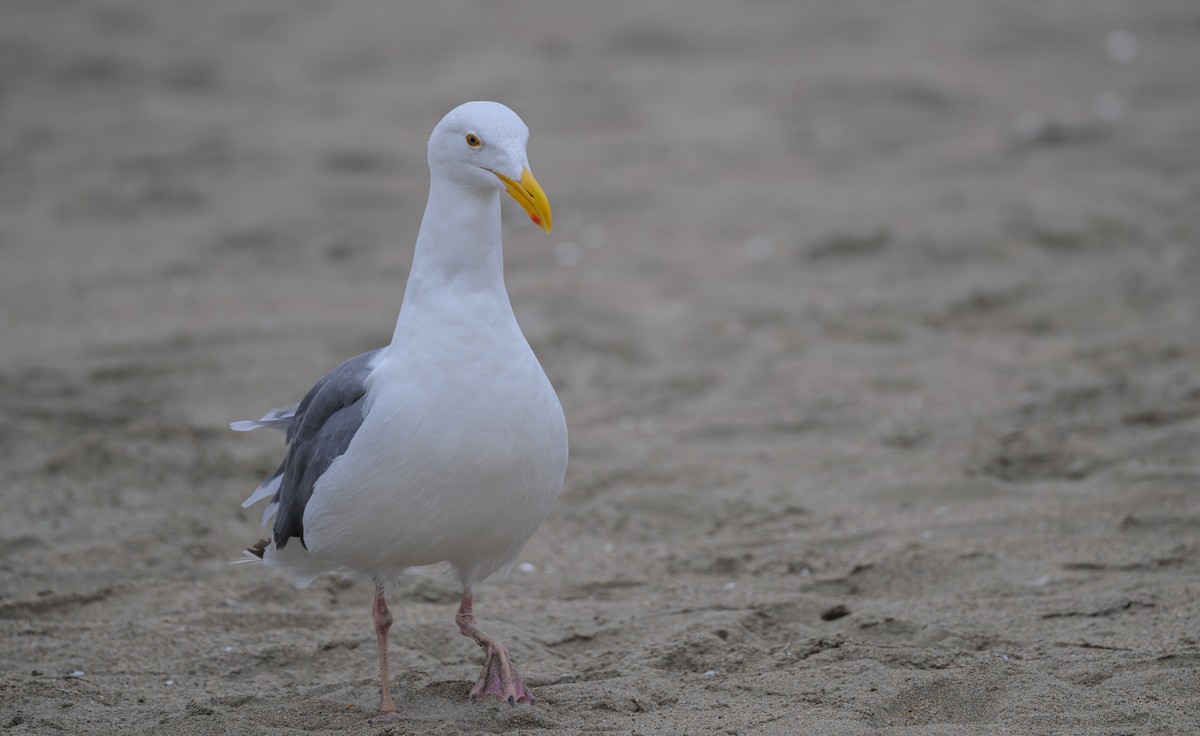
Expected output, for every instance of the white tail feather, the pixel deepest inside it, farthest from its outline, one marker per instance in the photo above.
(296, 563)
(248, 558)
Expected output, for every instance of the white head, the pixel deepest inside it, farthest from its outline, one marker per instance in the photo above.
(482, 145)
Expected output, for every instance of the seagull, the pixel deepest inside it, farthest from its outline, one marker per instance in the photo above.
(447, 446)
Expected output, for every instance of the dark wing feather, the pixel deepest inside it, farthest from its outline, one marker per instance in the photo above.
(324, 423)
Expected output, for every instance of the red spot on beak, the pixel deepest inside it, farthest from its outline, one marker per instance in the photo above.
(536, 220)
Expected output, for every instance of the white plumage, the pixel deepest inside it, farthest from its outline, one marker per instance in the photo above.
(461, 454)
(448, 445)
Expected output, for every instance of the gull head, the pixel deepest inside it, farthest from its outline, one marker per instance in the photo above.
(482, 145)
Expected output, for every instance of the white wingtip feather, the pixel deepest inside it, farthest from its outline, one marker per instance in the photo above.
(274, 419)
(266, 490)
(268, 512)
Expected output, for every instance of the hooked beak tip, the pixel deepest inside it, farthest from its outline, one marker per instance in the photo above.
(530, 196)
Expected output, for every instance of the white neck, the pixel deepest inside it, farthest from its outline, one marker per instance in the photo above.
(458, 247)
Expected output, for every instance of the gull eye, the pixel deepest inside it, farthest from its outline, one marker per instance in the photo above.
(473, 140)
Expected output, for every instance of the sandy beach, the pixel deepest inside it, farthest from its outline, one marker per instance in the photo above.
(876, 326)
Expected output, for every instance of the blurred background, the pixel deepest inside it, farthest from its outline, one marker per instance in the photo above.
(875, 324)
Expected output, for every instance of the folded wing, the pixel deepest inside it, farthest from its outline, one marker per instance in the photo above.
(318, 429)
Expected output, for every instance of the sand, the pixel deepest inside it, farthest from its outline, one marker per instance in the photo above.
(875, 325)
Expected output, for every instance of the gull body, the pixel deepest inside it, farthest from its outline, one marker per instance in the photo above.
(448, 445)
(460, 456)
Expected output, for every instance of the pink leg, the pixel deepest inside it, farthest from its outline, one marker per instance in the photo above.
(383, 622)
(499, 677)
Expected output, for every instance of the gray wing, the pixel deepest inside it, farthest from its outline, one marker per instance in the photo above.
(319, 430)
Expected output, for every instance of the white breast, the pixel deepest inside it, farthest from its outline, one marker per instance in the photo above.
(460, 458)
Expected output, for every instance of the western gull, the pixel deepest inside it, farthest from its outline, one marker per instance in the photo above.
(447, 446)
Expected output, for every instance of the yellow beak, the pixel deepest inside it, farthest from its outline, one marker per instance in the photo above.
(530, 196)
